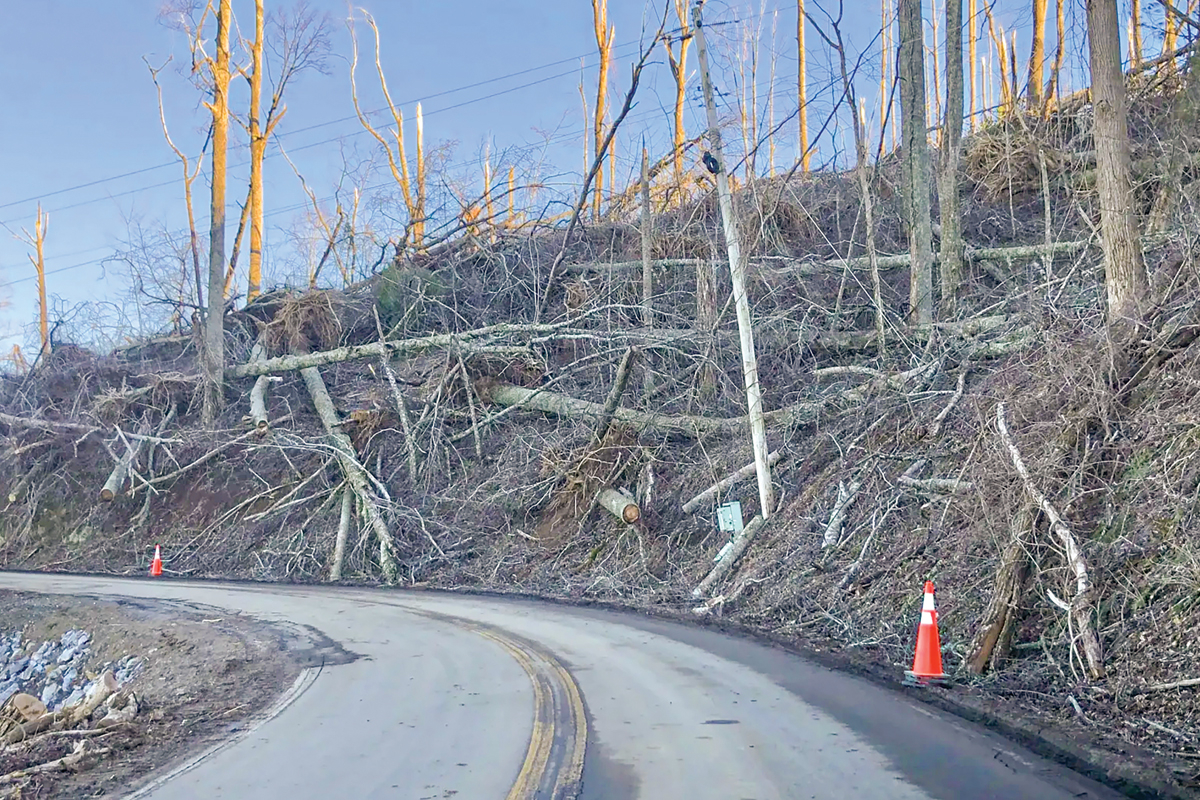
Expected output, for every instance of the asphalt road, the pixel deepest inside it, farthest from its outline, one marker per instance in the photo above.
(475, 699)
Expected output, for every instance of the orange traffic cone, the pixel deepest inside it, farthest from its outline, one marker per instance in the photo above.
(927, 664)
(156, 563)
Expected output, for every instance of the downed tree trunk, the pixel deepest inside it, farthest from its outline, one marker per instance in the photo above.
(116, 478)
(258, 394)
(837, 517)
(721, 485)
(291, 363)
(563, 406)
(620, 505)
(352, 468)
(343, 534)
(740, 543)
(1081, 604)
(993, 641)
(66, 762)
(615, 393)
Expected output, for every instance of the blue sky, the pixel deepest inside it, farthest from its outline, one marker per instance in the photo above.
(81, 109)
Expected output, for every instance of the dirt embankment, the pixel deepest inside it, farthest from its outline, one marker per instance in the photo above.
(202, 677)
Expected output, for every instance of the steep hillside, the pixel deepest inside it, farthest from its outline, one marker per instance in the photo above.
(482, 470)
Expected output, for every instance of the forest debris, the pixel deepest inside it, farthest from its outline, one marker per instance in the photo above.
(876, 523)
(123, 707)
(401, 406)
(619, 504)
(936, 428)
(741, 542)
(564, 406)
(1163, 687)
(116, 478)
(291, 363)
(732, 479)
(352, 468)
(66, 762)
(96, 697)
(837, 517)
(614, 394)
(1081, 606)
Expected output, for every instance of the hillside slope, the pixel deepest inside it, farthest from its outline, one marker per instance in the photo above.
(503, 496)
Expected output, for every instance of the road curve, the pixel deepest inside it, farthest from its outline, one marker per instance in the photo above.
(477, 698)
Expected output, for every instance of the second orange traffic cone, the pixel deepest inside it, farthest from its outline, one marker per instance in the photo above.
(927, 663)
(156, 563)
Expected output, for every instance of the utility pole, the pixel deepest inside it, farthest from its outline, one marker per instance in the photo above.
(737, 275)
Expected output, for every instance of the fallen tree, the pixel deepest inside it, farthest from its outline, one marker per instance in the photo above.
(356, 474)
(692, 426)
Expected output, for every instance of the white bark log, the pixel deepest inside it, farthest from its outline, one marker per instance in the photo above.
(563, 406)
(740, 544)
(352, 468)
(837, 517)
(258, 394)
(732, 479)
(620, 505)
(464, 340)
(343, 534)
(1081, 605)
(116, 478)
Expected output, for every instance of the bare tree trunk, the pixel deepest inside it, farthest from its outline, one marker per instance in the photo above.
(1135, 33)
(1052, 85)
(604, 35)
(214, 328)
(948, 203)
(737, 267)
(802, 85)
(1037, 57)
(916, 162)
(258, 150)
(647, 240)
(679, 74)
(972, 46)
(1125, 277)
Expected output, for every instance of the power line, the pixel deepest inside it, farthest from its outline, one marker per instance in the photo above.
(443, 93)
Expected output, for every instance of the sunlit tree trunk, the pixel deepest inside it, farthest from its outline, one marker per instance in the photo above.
(1037, 56)
(214, 330)
(1052, 85)
(1135, 33)
(604, 39)
(802, 85)
(678, 62)
(972, 47)
(258, 149)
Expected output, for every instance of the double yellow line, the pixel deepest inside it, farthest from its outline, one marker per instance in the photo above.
(553, 766)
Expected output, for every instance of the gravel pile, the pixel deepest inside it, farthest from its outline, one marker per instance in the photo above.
(55, 671)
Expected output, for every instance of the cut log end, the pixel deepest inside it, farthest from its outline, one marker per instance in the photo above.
(620, 505)
(106, 495)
